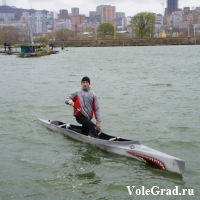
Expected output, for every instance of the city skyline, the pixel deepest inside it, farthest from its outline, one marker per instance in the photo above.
(130, 7)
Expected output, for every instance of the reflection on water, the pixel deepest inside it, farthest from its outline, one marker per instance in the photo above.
(89, 175)
(88, 157)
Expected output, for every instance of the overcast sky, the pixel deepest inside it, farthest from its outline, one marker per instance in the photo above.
(130, 7)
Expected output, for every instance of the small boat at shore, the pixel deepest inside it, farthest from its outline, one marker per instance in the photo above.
(118, 145)
(33, 50)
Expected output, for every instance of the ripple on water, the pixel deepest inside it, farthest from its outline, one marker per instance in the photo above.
(140, 98)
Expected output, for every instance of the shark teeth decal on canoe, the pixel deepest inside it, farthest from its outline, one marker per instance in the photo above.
(149, 159)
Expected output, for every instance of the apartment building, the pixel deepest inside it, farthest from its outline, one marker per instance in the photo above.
(52, 15)
(108, 14)
(7, 16)
(63, 14)
(40, 22)
(176, 18)
(119, 16)
(75, 21)
(74, 11)
(159, 19)
(126, 22)
(96, 15)
(37, 22)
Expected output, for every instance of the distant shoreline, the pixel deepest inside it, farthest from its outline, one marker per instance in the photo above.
(128, 42)
(123, 42)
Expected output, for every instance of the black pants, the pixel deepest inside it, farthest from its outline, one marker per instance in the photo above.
(87, 126)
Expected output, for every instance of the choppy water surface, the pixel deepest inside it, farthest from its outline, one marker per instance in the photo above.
(147, 93)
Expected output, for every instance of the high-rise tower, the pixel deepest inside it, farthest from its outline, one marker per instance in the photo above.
(63, 14)
(108, 14)
(74, 11)
(172, 6)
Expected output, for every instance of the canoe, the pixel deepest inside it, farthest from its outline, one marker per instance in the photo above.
(118, 145)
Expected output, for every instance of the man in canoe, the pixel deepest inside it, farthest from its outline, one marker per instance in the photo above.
(85, 105)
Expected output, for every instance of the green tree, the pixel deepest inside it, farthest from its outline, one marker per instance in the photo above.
(143, 24)
(105, 30)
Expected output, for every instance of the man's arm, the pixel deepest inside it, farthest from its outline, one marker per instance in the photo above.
(97, 111)
(71, 98)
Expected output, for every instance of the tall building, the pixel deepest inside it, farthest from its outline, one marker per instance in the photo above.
(126, 24)
(172, 6)
(75, 21)
(93, 17)
(159, 19)
(52, 15)
(166, 20)
(37, 22)
(92, 14)
(74, 11)
(176, 18)
(98, 9)
(97, 17)
(7, 16)
(55, 15)
(108, 14)
(63, 14)
(40, 22)
(119, 16)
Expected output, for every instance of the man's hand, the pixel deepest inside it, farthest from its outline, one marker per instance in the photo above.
(98, 126)
(70, 102)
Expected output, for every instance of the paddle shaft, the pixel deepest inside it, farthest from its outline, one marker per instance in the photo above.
(80, 111)
(100, 131)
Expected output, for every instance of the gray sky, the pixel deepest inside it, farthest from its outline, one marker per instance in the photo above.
(130, 7)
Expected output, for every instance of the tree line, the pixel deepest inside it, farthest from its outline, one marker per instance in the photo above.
(143, 25)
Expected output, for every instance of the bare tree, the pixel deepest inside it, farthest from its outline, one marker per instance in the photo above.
(9, 34)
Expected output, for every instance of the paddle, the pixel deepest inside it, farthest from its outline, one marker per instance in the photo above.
(100, 131)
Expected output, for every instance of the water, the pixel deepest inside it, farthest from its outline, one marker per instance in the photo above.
(146, 93)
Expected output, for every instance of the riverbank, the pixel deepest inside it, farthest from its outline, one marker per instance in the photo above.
(129, 42)
(125, 42)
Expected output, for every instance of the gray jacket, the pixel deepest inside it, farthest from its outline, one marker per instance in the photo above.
(86, 101)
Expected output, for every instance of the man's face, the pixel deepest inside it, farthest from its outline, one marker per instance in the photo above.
(85, 84)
